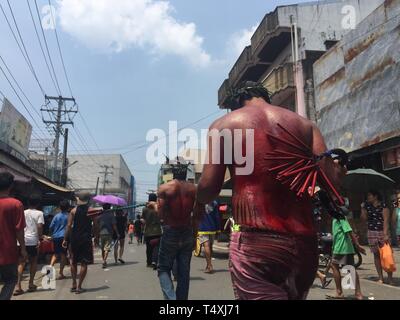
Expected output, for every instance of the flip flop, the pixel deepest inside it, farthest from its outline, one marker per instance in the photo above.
(329, 297)
(18, 292)
(61, 277)
(326, 283)
(79, 291)
(32, 288)
(122, 261)
(72, 290)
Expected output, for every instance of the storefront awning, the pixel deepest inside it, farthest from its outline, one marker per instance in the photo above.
(53, 186)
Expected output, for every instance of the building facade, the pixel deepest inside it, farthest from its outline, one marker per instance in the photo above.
(269, 58)
(101, 174)
(357, 93)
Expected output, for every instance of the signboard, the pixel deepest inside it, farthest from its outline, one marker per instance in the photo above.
(391, 159)
(15, 130)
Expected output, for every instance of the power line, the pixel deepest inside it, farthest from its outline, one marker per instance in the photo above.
(180, 129)
(59, 49)
(26, 58)
(22, 91)
(47, 47)
(89, 131)
(16, 93)
(41, 47)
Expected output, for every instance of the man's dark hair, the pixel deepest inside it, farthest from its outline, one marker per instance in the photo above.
(246, 91)
(179, 171)
(152, 197)
(376, 193)
(35, 200)
(106, 206)
(6, 181)
(138, 216)
(64, 205)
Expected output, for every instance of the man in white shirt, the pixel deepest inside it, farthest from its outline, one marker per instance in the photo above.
(33, 234)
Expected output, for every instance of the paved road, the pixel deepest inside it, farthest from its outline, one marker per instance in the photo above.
(134, 280)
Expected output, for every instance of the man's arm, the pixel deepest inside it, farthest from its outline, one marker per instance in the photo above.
(331, 168)
(19, 228)
(386, 223)
(212, 177)
(69, 228)
(162, 202)
(354, 238)
(364, 214)
(96, 230)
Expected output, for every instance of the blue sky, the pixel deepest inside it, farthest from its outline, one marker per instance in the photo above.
(133, 65)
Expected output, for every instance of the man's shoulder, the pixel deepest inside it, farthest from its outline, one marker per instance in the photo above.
(11, 202)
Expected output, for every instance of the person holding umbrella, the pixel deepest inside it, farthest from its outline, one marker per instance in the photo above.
(377, 215)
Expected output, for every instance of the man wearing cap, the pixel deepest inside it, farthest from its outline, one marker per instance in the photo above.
(79, 233)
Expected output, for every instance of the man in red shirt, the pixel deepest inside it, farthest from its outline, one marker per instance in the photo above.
(12, 224)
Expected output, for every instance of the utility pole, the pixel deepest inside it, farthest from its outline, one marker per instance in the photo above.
(297, 70)
(106, 173)
(97, 186)
(58, 118)
(65, 160)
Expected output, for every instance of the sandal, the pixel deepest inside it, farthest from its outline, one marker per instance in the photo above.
(72, 290)
(32, 288)
(122, 261)
(330, 297)
(326, 283)
(79, 291)
(18, 292)
(61, 277)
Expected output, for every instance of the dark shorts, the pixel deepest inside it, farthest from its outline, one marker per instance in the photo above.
(81, 252)
(58, 248)
(343, 259)
(32, 251)
(272, 266)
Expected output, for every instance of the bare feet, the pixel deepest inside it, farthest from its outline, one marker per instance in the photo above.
(335, 297)
(209, 270)
(359, 296)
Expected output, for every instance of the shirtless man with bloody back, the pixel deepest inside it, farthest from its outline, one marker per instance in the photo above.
(274, 256)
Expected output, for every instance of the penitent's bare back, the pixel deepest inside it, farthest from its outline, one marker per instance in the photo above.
(258, 199)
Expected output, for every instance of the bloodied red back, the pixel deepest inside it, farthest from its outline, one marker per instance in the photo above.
(259, 200)
(179, 202)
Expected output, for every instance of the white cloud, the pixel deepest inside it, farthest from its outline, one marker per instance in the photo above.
(121, 24)
(239, 40)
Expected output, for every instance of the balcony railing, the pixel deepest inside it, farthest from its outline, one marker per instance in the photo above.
(223, 91)
(280, 78)
(244, 59)
(267, 25)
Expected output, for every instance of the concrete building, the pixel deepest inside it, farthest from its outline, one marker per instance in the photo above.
(109, 173)
(358, 98)
(269, 58)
